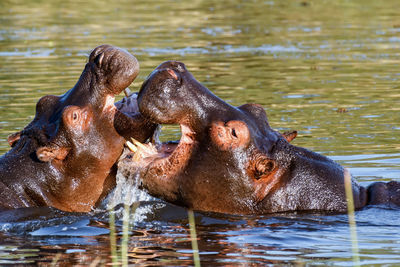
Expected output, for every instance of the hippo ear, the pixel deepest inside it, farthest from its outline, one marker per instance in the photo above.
(290, 135)
(261, 167)
(230, 135)
(76, 118)
(13, 138)
(49, 153)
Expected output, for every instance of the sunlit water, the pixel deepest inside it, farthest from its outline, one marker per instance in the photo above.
(329, 69)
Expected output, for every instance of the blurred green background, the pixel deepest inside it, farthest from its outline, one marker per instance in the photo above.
(302, 60)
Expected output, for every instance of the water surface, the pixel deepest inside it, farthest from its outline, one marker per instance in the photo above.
(327, 69)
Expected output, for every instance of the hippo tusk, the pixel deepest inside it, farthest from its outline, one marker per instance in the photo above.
(139, 144)
(141, 150)
(131, 146)
(138, 155)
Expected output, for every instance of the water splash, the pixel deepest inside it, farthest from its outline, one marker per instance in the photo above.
(127, 191)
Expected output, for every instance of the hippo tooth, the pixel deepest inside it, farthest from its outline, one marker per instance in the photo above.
(148, 148)
(136, 150)
(139, 144)
(138, 155)
(131, 146)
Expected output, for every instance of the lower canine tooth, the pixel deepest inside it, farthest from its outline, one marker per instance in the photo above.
(138, 144)
(131, 146)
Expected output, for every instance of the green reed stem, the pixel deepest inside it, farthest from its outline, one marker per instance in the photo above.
(193, 237)
(113, 237)
(352, 220)
(125, 231)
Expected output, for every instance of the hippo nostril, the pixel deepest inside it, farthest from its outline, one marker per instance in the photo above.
(98, 51)
(234, 133)
(99, 59)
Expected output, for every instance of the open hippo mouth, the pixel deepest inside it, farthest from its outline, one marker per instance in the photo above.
(169, 158)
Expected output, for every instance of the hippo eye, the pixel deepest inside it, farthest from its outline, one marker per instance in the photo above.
(75, 116)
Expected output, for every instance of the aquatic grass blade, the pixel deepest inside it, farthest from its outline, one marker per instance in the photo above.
(126, 223)
(125, 230)
(351, 216)
(193, 238)
(113, 237)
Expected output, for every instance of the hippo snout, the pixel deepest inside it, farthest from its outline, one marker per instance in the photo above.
(116, 68)
(173, 65)
(98, 51)
(171, 68)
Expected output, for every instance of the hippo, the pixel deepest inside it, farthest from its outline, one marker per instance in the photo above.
(65, 158)
(229, 159)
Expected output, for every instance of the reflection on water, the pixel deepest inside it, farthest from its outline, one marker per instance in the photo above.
(329, 69)
(162, 238)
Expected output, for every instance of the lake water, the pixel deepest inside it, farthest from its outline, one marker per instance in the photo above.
(329, 69)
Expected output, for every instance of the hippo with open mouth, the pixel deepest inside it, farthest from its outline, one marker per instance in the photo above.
(229, 159)
(65, 158)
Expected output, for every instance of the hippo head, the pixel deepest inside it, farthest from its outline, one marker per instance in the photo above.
(228, 159)
(68, 151)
